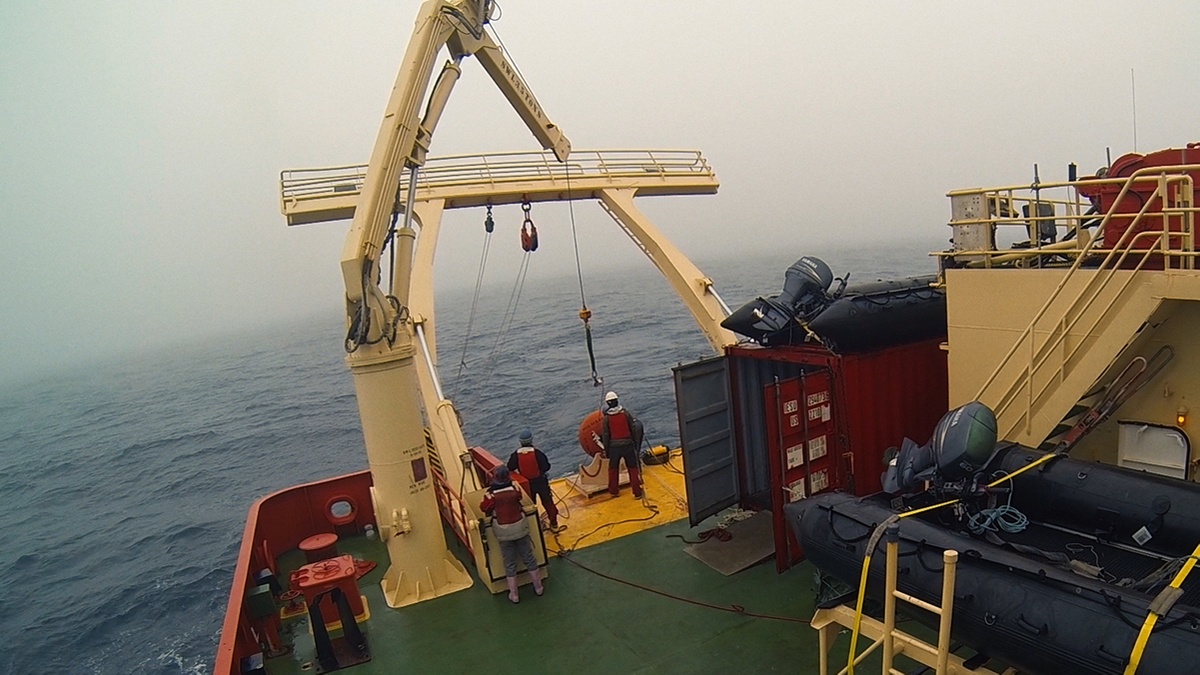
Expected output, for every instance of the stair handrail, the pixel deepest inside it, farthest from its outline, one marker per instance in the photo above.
(1042, 354)
(1125, 248)
(1059, 288)
(1164, 177)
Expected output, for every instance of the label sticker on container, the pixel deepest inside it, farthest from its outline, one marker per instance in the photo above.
(795, 456)
(796, 491)
(819, 480)
(1142, 536)
(817, 448)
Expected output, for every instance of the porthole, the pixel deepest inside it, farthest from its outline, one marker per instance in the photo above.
(340, 510)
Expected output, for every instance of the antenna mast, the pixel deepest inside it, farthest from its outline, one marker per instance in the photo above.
(1133, 96)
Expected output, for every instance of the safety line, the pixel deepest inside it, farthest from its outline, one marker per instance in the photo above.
(736, 609)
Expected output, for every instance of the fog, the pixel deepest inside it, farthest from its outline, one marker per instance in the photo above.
(141, 142)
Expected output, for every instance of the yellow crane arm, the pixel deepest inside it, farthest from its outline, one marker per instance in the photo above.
(521, 98)
(404, 136)
(381, 350)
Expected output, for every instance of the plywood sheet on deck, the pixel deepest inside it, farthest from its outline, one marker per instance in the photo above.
(753, 541)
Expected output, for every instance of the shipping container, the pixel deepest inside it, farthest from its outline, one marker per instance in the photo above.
(762, 426)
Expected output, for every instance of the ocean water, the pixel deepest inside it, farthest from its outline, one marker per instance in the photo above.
(127, 484)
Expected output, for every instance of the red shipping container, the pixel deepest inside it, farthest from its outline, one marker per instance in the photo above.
(830, 419)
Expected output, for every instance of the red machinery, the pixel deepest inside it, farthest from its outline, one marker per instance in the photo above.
(1105, 196)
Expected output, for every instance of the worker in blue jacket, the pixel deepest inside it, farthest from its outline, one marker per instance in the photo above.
(533, 464)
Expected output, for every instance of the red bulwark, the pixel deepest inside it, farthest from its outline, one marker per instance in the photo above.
(277, 523)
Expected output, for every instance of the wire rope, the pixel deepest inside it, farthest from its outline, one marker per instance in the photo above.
(510, 313)
(487, 244)
(584, 313)
(574, 235)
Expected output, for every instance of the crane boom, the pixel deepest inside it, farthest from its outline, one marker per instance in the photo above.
(522, 100)
(404, 136)
(380, 342)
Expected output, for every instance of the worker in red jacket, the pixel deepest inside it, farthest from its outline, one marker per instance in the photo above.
(533, 464)
(620, 435)
(503, 503)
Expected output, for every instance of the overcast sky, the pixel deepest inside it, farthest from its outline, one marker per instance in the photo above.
(141, 142)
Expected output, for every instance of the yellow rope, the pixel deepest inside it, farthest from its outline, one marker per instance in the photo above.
(858, 606)
(1139, 646)
(1045, 458)
(923, 509)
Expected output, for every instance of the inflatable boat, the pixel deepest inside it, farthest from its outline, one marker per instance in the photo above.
(1058, 567)
(851, 318)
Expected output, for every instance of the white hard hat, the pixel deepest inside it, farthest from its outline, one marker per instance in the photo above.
(610, 396)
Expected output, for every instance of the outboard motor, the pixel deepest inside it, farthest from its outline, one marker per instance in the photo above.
(963, 443)
(773, 320)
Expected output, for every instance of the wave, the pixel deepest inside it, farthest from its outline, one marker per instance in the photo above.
(183, 439)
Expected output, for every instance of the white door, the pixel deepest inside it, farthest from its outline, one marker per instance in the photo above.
(1153, 448)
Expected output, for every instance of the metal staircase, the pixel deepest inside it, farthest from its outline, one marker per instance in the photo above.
(1099, 306)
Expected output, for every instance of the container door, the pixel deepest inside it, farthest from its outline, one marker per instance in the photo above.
(706, 437)
(801, 437)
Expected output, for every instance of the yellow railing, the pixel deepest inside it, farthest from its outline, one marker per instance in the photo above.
(1036, 210)
(500, 168)
(893, 641)
(1170, 240)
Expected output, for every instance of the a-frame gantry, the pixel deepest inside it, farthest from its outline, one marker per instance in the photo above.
(612, 177)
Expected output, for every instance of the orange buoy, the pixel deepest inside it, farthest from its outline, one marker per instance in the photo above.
(589, 433)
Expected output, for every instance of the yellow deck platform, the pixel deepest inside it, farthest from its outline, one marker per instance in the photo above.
(598, 518)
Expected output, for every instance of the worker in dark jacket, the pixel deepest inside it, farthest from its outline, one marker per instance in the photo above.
(533, 464)
(503, 503)
(620, 437)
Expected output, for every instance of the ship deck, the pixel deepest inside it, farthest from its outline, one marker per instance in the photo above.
(636, 604)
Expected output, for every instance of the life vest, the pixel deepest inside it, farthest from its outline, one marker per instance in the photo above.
(527, 464)
(618, 426)
(505, 502)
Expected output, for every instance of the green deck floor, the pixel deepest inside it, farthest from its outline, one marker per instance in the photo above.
(588, 624)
